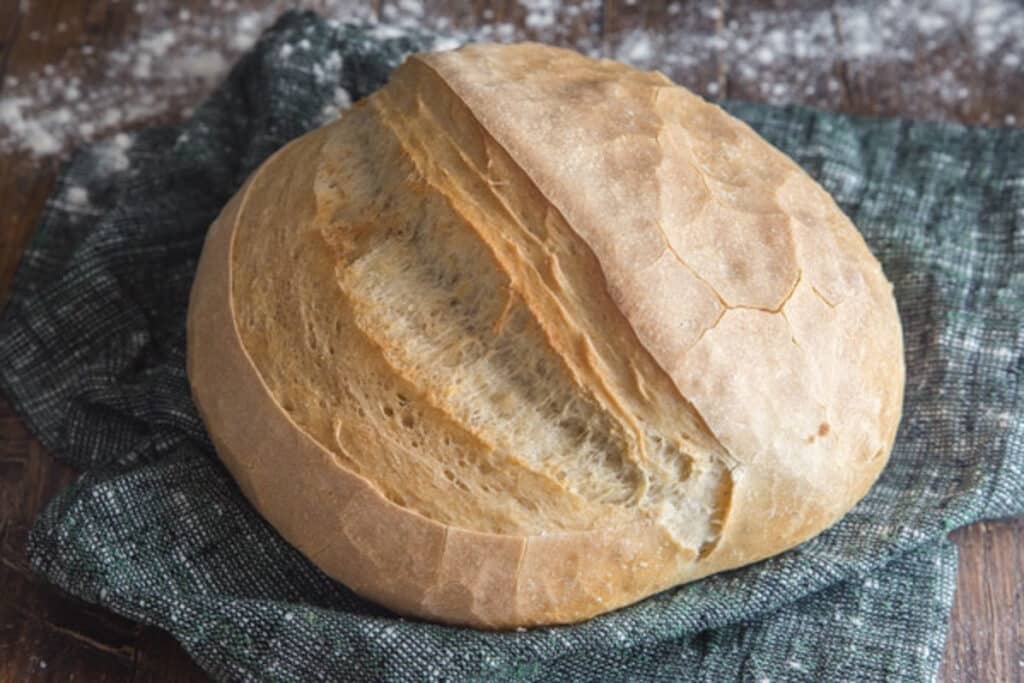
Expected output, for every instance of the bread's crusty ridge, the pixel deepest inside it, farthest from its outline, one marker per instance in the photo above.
(453, 367)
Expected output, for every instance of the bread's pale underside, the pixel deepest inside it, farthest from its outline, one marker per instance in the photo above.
(526, 336)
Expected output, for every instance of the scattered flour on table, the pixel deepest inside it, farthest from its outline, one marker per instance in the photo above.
(156, 76)
(809, 56)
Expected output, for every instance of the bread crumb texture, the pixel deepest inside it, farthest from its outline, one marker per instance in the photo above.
(563, 305)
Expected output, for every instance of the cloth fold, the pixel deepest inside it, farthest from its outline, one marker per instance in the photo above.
(93, 349)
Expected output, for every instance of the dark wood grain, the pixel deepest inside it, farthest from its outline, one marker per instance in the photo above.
(46, 635)
(986, 631)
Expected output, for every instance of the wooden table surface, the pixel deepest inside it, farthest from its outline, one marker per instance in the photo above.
(931, 60)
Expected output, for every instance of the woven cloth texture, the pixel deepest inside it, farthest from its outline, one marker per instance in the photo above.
(92, 344)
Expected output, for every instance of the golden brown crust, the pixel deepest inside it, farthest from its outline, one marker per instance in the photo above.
(388, 554)
(796, 364)
(697, 299)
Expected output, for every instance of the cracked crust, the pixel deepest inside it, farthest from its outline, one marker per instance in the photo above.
(526, 337)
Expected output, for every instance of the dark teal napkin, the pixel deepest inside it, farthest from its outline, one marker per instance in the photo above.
(93, 357)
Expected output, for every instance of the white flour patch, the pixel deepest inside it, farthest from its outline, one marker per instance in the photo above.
(342, 101)
(637, 49)
(540, 13)
(114, 152)
(78, 196)
(33, 135)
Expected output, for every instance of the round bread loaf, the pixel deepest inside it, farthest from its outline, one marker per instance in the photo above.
(526, 336)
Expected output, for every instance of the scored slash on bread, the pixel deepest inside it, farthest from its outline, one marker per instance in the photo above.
(527, 336)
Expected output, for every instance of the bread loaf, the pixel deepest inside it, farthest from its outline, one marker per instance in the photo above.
(525, 337)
